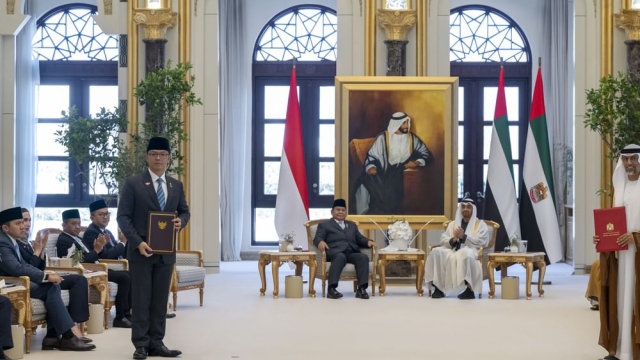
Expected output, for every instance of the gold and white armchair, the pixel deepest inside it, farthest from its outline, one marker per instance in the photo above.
(349, 271)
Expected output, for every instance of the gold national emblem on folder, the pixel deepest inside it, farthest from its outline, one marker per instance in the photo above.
(161, 237)
(610, 227)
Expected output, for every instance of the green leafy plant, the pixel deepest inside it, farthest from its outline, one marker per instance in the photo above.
(93, 143)
(613, 111)
(76, 256)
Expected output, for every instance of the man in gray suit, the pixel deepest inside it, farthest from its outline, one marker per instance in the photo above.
(342, 242)
(150, 273)
(43, 286)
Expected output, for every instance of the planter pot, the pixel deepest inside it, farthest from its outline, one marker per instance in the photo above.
(513, 249)
(401, 244)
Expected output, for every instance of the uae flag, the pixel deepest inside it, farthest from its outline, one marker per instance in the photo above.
(501, 203)
(537, 205)
(292, 200)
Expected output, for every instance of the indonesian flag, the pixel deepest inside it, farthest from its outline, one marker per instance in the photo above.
(292, 200)
(501, 203)
(537, 203)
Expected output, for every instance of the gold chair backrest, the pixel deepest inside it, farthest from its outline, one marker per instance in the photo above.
(492, 227)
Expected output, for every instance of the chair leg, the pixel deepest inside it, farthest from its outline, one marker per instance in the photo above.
(355, 285)
(201, 295)
(373, 286)
(324, 287)
(175, 300)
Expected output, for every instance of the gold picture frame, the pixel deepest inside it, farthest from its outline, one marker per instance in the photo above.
(364, 108)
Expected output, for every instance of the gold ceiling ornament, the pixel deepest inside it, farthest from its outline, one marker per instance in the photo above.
(11, 7)
(396, 23)
(629, 20)
(108, 7)
(155, 22)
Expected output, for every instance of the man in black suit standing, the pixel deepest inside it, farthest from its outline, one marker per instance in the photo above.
(342, 242)
(112, 249)
(150, 273)
(44, 286)
(76, 284)
(6, 342)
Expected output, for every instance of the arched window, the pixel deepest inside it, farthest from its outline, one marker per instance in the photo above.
(480, 38)
(308, 34)
(78, 68)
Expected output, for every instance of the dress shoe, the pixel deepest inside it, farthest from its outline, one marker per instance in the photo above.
(122, 323)
(74, 344)
(610, 357)
(50, 343)
(334, 294)
(170, 315)
(437, 293)
(467, 294)
(85, 339)
(164, 352)
(140, 353)
(361, 293)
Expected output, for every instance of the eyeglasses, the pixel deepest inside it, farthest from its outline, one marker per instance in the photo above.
(158, 155)
(104, 215)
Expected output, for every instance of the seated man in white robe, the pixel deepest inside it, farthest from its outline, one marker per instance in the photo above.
(452, 267)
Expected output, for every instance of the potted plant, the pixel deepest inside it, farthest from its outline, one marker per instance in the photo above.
(613, 111)
(93, 143)
(514, 242)
(400, 234)
(287, 242)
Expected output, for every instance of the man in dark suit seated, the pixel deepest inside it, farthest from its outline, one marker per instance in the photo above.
(44, 286)
(76, 284)
(113, 249)
(151, 191)
(6, 342)
(342, 242)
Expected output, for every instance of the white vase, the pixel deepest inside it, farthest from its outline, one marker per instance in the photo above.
(290, 247)
(401, 244)
(513, 249)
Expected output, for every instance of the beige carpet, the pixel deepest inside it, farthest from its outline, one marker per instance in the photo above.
(236, 323)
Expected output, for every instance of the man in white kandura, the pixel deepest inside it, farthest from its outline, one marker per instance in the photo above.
(452, 266)
(619, 300)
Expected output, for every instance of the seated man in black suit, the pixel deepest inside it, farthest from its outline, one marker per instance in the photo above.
(44, 286)
(77, 285)
(113, 249)
(6, 342)
(342, 242)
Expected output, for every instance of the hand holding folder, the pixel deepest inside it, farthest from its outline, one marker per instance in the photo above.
(609, 225)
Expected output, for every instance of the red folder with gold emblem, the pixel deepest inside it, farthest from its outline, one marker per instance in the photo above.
(161, 236)
(610, 224)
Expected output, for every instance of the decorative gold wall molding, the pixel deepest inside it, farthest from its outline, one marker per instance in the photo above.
(108, 7)
(155, 22)
(421, 38)
(629, 20)
(606, 68)
(396, 23)
(184, 56)
(11, 7)
(370, 38)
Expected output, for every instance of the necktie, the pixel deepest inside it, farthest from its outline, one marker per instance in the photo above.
(17, 249)
(160, 192)
(342, 224)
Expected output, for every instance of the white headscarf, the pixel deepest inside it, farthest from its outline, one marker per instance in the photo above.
(620, 177)
(472, 219)
(396, 121)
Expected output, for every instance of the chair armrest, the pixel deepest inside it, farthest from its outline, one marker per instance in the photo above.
(113, 264)
(430, 247)
(96, 267)
(189, 258)
(64, 270)
(21, 281)
(480, 250)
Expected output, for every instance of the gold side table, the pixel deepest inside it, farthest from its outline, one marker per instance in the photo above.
(385, 257)
(527, 260)
(277, 258)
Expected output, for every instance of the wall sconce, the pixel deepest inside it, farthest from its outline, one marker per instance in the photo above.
(395, 4)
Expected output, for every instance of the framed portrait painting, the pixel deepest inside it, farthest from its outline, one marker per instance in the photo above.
(396, 153)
